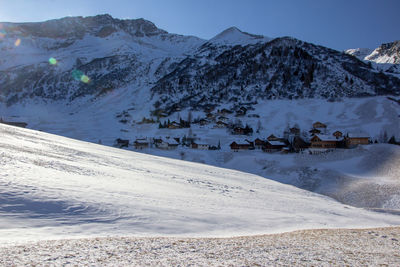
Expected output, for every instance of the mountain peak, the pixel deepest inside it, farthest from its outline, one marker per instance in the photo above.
(233, 36)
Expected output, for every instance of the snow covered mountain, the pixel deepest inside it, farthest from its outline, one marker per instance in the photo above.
(386, 53)
(77, 58)
(359, 53)
(109, 53)
(55, 187)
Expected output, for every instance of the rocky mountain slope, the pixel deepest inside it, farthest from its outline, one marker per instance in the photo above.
(93, 56)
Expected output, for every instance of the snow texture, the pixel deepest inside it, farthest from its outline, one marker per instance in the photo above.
(53, 187)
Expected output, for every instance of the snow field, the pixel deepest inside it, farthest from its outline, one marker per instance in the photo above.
(53, 187)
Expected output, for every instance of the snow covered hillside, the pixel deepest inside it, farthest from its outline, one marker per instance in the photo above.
(54, 187)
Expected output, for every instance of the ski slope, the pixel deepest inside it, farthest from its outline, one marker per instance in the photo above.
(53, 187)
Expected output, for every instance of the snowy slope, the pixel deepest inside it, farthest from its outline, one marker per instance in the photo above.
(54, 187)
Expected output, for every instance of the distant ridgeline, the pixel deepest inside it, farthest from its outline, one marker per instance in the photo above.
(86, 58)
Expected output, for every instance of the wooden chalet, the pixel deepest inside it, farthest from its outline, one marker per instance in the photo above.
(121, 143)
(319, 125)
(273, 138)
(353, 140)
(238, 130)
(167, 144)
(204, 122)
(259, 144)
(224, 112)
(241, 145)
(201, 146)
(314, 131)
(338, 134)
(174, 125)
(273, 146)
(141, 143)
(324, 141)
(221, 124)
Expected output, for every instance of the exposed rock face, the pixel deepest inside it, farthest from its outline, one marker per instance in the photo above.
(179, 71)
(386, 53)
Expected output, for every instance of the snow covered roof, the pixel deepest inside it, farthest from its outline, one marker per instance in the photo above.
(324, 137)
(141, 141)
(358, 135)
(277, 143)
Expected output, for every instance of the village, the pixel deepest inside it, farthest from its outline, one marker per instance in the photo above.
(317, 140)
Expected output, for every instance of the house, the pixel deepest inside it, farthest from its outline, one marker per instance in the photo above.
(273, 138)
(353, 140)
(319, 125)
(220, 124)
(141, 143)
(121, 143)
(337, 134)
(201, 146)
(224, 112)
(238, 130)
(241, 145)
(324, 141)
(174, 125)
(273, 146)
(314, 131)
(167, 143)
(204, 122)
(259, 144)
(210, 116)
(223, 119)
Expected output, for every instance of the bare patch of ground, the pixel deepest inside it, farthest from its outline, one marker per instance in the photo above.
(334, 247)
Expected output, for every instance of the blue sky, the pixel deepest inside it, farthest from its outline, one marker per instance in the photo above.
(339, 24)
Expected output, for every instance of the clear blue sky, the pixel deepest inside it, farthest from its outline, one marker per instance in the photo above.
(339, 24)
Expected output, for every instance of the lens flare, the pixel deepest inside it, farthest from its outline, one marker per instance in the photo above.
(17, 42)
(80, 76)
(85, 79)
(52, 61)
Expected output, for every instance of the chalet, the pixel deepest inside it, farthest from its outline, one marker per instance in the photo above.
(174, 125)
(220, 124)
(201, 146)
(324, 141)
(121, 143)
(167, 143)
(210, 116)
(243, 145)
(224, 112)
(314, 131)
(353, 140)
(259, 144)
(204, 122)
(141, 143)
(273, 146)
(223, 118)
(338, 134)
(273, 138)
(319, 125)
(238, 130)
